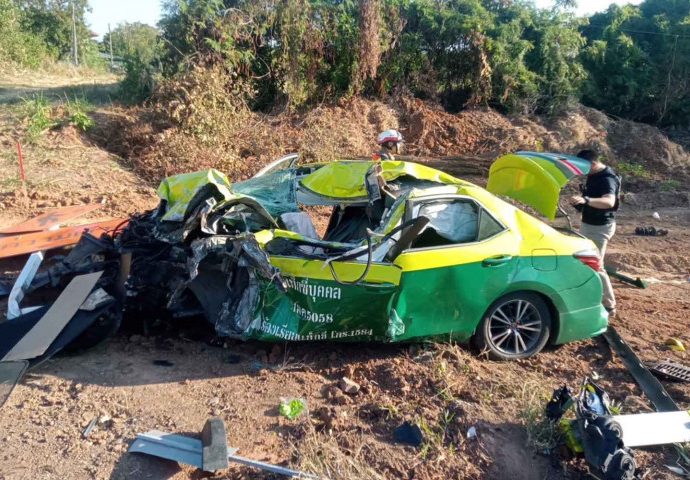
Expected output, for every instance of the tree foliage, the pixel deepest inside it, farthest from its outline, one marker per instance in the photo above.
(462, 52)
(631, 61)
(16, 44)
(638, 58)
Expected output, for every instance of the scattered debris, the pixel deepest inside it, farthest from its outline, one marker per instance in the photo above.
(23, 340)
(671, 371)
(409, 434)
(89, 428)
(637, 282)
(349, 386)
(675, 344)
(204, 453)
(655, 391)
(472, 433)
(233, 359)
(50, 219)
(657, 428)
(292, 408)
(650, 232)
(650, 386)
(163, 363)
(594, 432)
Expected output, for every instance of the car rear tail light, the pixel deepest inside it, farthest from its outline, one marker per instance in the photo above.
(590, 258)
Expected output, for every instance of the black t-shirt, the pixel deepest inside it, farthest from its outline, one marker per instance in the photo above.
(599, 184)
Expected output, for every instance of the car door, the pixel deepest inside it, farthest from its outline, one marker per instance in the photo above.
(339, 300)
(462, 261)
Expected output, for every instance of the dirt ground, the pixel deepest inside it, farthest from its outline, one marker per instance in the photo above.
(174, 382)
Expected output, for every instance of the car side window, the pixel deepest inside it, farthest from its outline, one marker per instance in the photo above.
(451, 222)
(488, 226)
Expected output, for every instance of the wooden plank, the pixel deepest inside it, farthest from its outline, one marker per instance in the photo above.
(11, 246)
(38, 339)
(51, 218)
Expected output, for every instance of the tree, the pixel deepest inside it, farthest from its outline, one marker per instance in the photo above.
(638, 58)
(51, 20)
(134, 39)
(16, 44)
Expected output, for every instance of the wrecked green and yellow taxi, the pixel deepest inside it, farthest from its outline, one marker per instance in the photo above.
(409, 253)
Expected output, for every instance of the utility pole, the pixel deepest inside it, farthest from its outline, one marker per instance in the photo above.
(110, 37)
(74, 36)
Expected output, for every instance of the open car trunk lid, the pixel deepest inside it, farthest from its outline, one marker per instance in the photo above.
(534, 178)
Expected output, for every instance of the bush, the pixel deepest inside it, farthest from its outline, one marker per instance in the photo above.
(77, 114)
(140, 79)
(42, 116)
(39, 115)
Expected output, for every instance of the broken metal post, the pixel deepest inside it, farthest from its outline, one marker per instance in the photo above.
(214, 455)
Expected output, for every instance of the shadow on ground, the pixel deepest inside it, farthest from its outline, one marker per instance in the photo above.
(97, 94)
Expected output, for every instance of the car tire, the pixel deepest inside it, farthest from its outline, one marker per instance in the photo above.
(515, 326)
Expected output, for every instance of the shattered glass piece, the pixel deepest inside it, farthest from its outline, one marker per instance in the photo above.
(275, 191)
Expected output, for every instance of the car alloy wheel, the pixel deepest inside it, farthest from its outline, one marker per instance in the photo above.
(515, 328)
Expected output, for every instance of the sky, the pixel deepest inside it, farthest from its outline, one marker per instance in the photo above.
(149, 11)
(114, 12)
(585, 7)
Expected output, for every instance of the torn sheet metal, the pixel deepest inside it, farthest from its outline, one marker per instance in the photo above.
(14, 245)
(10, 374)
(85, 330)
(22, 285)
(37, 340)
(179, 190)
(652, 388)
(50, 219)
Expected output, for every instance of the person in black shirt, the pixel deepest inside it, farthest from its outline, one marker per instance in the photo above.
(598, 204)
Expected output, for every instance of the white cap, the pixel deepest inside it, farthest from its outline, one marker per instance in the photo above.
(389, 136)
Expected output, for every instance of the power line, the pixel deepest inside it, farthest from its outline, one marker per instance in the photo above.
(627, 30)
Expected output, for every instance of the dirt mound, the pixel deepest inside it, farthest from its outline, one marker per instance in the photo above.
(346, 130)
(430, 131)
(647, 146)
(165, 139)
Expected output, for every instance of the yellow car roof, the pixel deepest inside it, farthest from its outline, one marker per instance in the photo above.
(347, 179)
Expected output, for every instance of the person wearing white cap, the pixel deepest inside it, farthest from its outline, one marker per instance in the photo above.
(390, 141)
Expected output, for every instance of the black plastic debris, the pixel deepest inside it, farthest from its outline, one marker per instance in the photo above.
(651, 232)
(163, 363)
(594, 430)
(671, 371)
(409, 434)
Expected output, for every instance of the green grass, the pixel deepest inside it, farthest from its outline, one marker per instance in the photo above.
(633, 169)
(40, 116)
(77, 113)
(670, 185)
(542, 433)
